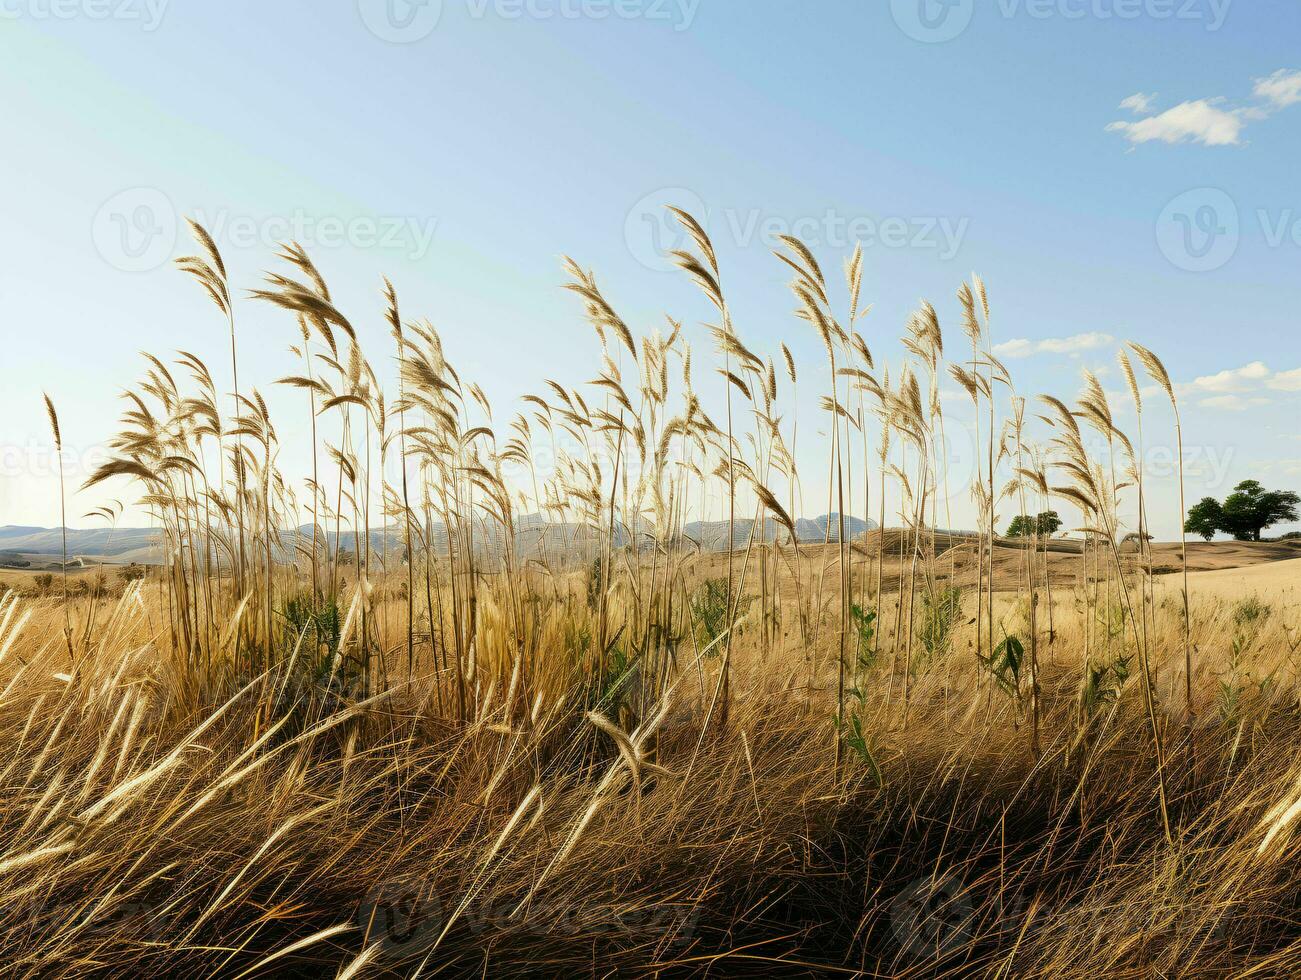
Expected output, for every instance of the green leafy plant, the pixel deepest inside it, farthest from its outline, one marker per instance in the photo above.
(1250, 614)
(939, 615)
(1004, 664)
(318, 621)
(709, 612)
(1229, 697)
(1103, 683)
(854, 736)
(1111, 618)
(864, 624)
(857, 743)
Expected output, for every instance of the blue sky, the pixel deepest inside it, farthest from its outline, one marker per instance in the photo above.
(463, 153)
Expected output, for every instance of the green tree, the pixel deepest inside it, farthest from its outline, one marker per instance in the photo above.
(1245, 513)
(1250, 509)
(1045, 525)
(1205, 518)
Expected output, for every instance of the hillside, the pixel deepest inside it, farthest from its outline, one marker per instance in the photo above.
(533, 536)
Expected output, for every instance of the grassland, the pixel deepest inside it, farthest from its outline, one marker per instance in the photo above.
(911, 754)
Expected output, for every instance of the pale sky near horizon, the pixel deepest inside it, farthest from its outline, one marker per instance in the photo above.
(1114, 169)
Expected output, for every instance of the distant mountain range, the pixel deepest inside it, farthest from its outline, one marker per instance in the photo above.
(533, 535)
(122, 546)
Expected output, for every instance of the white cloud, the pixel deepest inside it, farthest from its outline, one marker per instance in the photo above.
(1015, 348)
(1232, 403)
(1286, 381)
(1281, 89)
(1189, 122)
(1139, 102)
(1245, 378)
(1210, 122)
(1288, 467)
(1230, 389)
(1054, 345)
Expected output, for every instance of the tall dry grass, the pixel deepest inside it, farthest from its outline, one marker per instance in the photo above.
(597, 747)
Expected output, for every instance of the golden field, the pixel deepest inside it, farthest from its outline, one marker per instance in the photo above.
(910, 754)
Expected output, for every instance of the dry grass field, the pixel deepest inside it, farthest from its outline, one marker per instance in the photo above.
(908, 755)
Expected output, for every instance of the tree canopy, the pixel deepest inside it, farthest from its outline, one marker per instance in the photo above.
(1044, 525)
(1205, 518)
(1245, 513)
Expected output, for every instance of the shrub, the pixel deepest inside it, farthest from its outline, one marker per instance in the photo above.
(131, 573)
(1250, 613)
(709, 610)
(939, 615)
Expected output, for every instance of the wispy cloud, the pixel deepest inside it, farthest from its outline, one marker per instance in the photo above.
(1286, 380)
(1139, 102)
(1281, 89)
(1209, 122)
(1232, 403)
(1288, 467)
(1246, 378)
(1240, 388)
(1202, 122)
(1054, 345)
